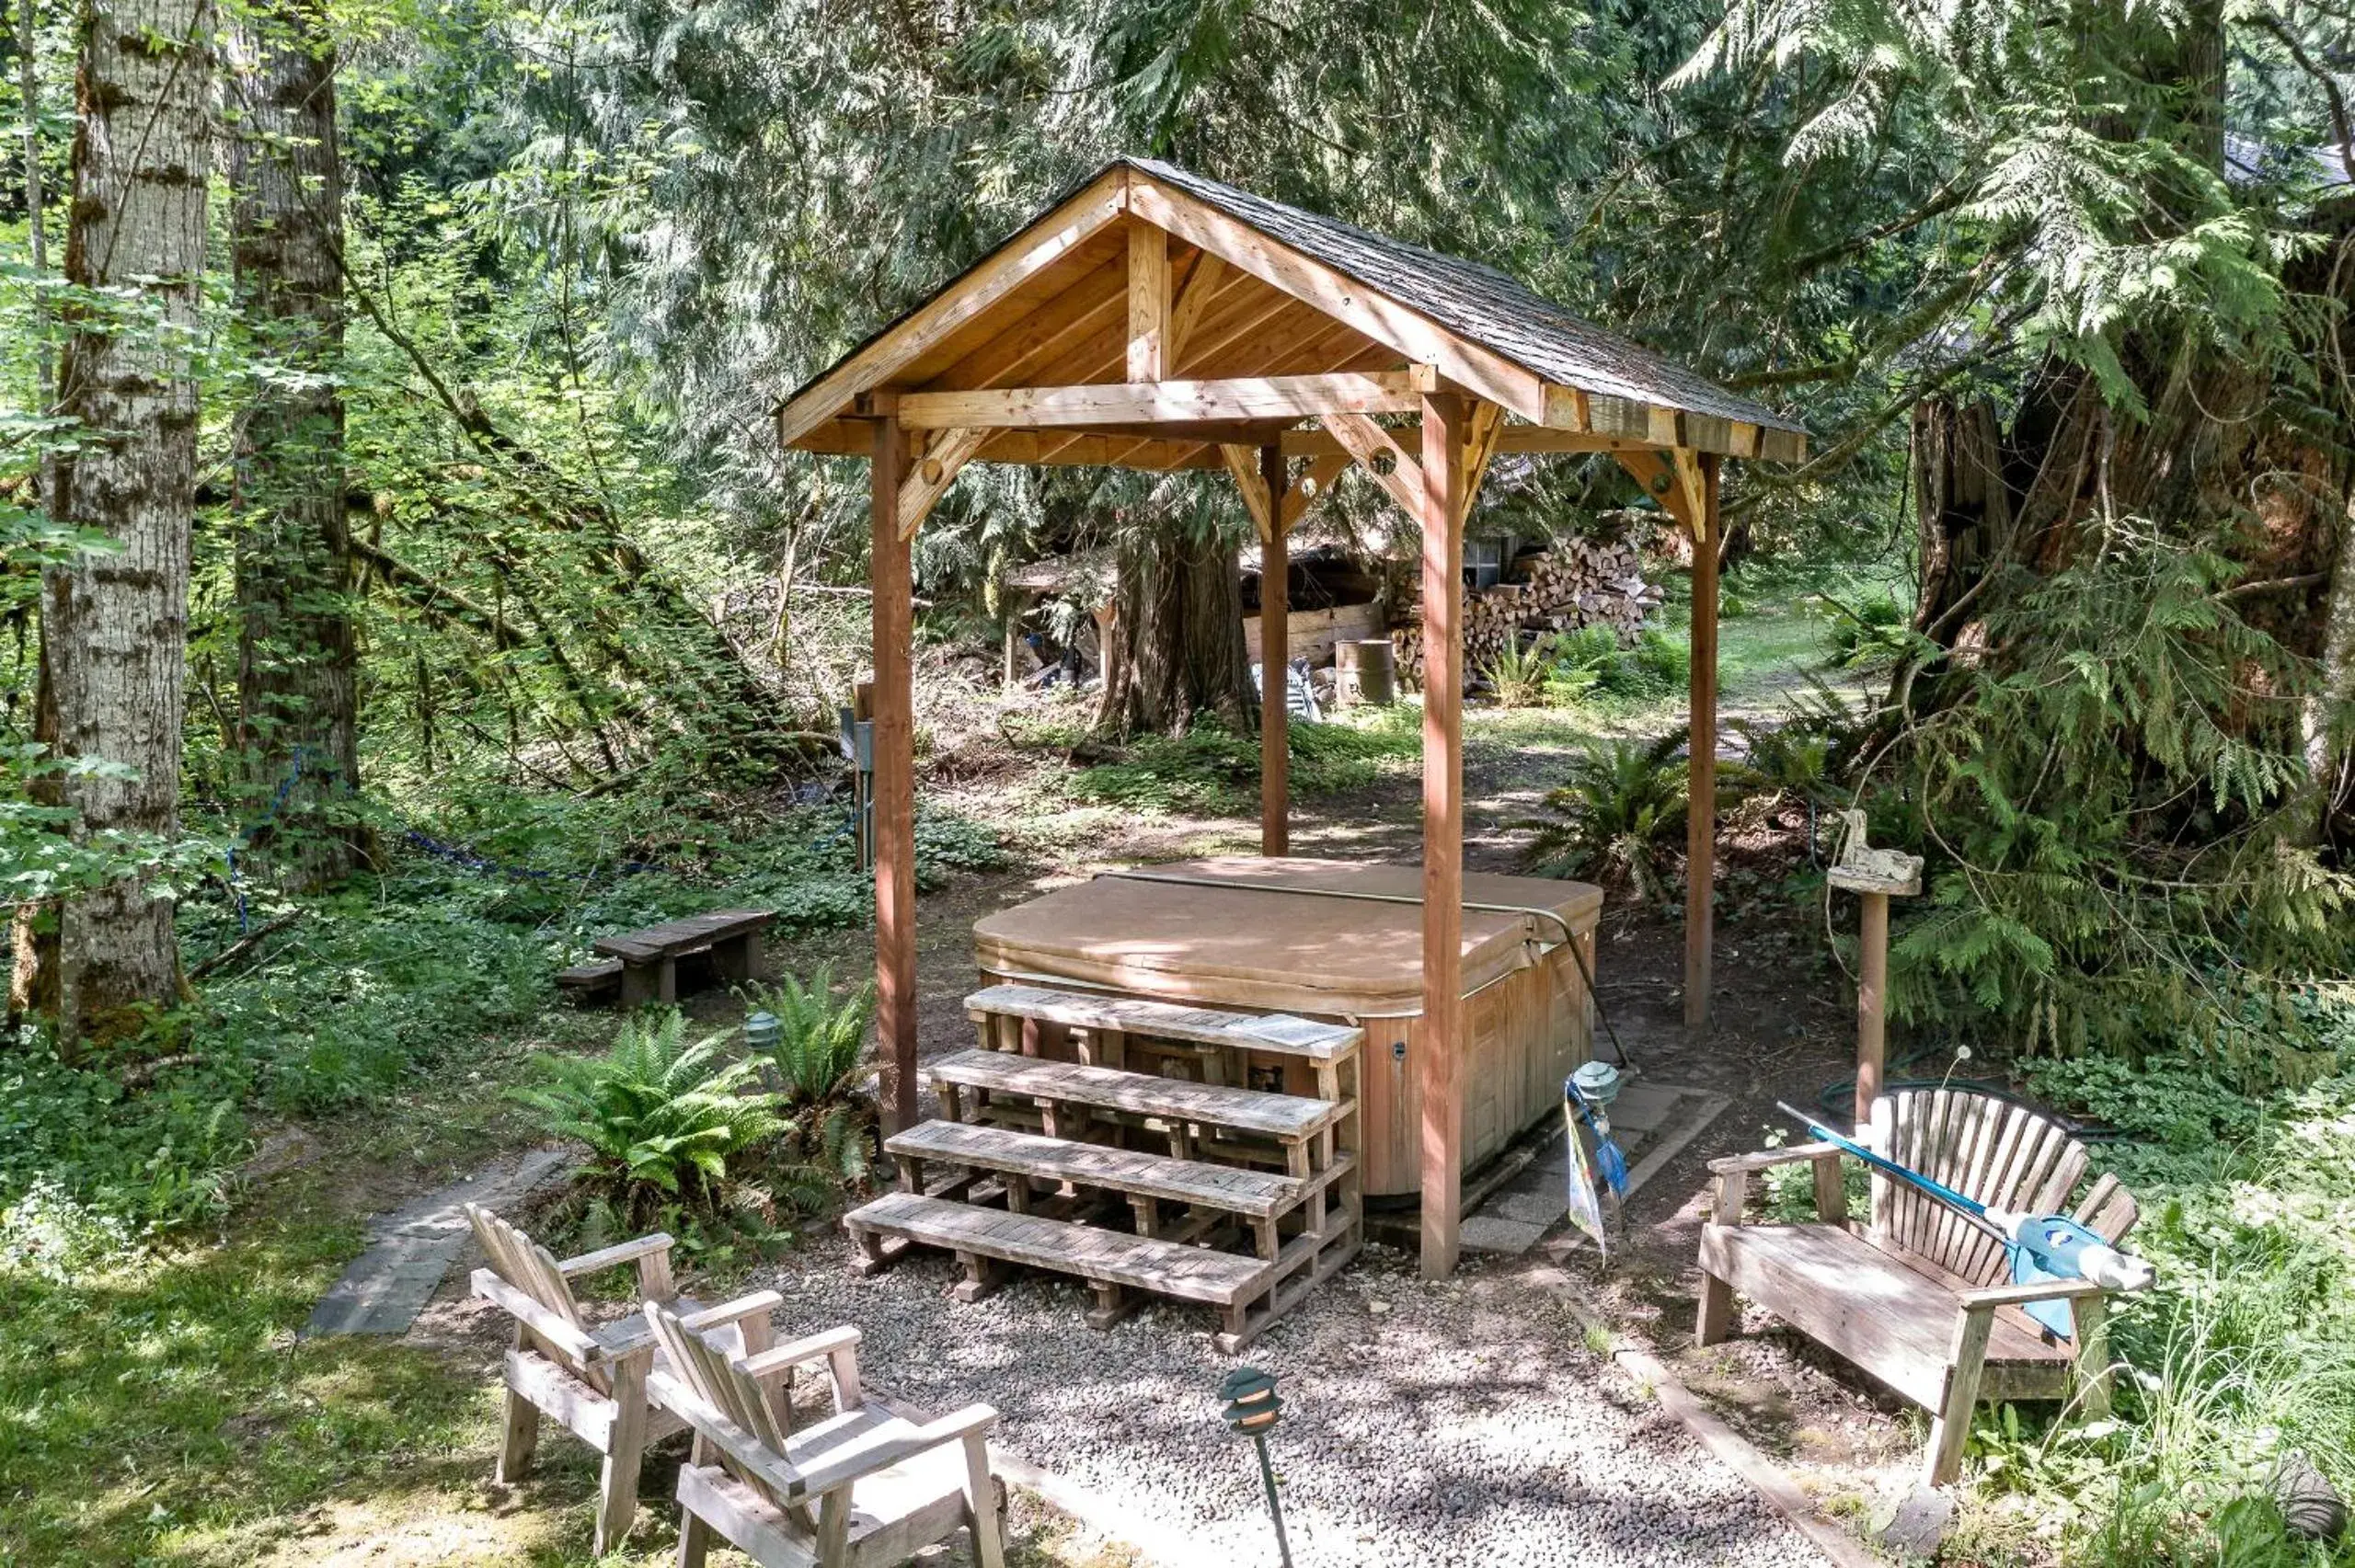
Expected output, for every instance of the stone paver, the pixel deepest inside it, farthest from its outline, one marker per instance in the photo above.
(410, 1249)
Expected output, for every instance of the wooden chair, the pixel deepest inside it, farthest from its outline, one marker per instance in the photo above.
(864, 1487)
(1921, 1298)
(591, 1380)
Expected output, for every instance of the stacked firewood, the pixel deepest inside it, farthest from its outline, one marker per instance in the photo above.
(1577, 583)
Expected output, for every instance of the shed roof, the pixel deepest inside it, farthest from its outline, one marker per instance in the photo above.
(1262, 290)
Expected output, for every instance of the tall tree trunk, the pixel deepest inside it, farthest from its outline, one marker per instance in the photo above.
(296, 702)
(1176, 647)
(36, 222)
(114, 625)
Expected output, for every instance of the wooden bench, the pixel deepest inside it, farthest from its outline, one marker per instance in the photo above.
(593, 982)
(1290, 1120)
(649, 957)
(1145, 1180)
(1921, 1299)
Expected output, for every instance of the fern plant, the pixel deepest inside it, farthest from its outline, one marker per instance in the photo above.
(1519, 672)
(830, 1118)
(662, 1117)
(1611, 821)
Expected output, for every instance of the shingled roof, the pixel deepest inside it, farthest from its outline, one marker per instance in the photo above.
(1481, 304)
(1292, 293)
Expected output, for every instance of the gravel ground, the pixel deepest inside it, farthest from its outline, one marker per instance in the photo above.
(1465, 1422)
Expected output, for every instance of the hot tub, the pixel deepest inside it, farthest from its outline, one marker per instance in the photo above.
(1335, 940)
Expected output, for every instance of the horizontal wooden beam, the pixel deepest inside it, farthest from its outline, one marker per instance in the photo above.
(1530, 439)
(1160, 402)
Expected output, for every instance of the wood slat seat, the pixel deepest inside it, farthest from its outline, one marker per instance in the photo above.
(1845, 1293)
(1288, 1118)
(1256, 1194)
(1276, 1032)
(864, 1488)
(1165, 1268)
(1923, 1299)
(591, 1380)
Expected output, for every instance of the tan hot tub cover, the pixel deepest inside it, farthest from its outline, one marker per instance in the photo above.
(1246, 931)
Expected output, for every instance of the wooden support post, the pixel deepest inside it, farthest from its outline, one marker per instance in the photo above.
(895, 789)
(1012, 602)
(1700, 810)
(1148, 356)
(1440, 1071)
(1872, 992)
(1275, 664)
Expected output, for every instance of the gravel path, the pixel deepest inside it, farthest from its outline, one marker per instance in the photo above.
(1465, 1422)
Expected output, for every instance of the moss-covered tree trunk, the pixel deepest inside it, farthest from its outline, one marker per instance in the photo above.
(1176, 649)
(114, 623)
(297, 717)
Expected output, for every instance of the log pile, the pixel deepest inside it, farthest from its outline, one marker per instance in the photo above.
(1576, 584)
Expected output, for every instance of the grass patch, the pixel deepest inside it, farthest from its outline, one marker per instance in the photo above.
(1212, 771)
(152, 1407)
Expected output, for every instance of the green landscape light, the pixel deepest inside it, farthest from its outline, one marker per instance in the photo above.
(762, 1031)
(1253, 1408)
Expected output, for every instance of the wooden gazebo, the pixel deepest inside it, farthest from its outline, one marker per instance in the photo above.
(1158, 320)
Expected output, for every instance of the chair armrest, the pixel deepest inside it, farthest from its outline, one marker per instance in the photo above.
(571, 1338)
(1767, 1159)
(817, 1348)
(2020, 1295)
(971, 1421)
(615, 1256)
(743, 1307)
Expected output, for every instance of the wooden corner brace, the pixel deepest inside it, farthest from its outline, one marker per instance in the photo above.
(930, 475)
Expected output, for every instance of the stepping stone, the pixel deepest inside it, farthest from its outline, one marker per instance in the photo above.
(1651, 1123)
(412, 1248)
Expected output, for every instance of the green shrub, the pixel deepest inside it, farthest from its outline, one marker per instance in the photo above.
(1781, 760)
(1591, 658)
(1876, 631)
(662, 1117)
(830, 1119)
(1608, 823)
(1518, 673)
(1665, 662)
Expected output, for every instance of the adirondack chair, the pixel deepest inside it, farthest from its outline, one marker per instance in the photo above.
(1921, 1298)
(594, 1380)
(864, 1487)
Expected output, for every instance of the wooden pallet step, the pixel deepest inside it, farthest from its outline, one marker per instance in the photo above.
(1233, 1188)
(1288, 1117)
(1276, 1032)
(1165, 1268)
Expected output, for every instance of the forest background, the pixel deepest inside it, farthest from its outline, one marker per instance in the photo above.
(396, 543)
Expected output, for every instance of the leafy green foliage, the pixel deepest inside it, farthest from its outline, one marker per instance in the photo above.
(1210, 769)
(1877, 632)
(831, 1119)
(662, 1117)
(1591, 659)
(1517, 673)
(2245, 1353)
(2115, 808)
(1610, 822)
